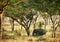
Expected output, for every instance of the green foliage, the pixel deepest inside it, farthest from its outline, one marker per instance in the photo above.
(13, 1)
(20, 11)
(30, 16)
(50, 6)
(34, 5)
(45, 15)
(24, 5)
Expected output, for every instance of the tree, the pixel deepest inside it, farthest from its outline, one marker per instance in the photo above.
(3, 5)
(53, 10)
(22, 14)
(20, 11)
(45, 17)
(35, 19)
(55, 23)
(52, 7)
(12, 24)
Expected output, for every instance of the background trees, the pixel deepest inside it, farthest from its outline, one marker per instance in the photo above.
(3, 4)
(23, 13)
(49, 6)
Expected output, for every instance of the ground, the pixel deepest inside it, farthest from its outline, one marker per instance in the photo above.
(30, 39)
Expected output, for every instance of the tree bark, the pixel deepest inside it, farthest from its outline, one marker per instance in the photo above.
(53, 34)
(28, 31)
(1, 20)
(34, 25)
(12, 24)
(45, 24)
(0, 28)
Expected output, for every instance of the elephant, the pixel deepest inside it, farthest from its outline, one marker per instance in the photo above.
(38, 32)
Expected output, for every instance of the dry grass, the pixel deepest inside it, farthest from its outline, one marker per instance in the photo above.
(31, 39)
(20, 36)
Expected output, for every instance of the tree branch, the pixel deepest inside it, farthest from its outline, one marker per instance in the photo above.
(51, 19)
(55, 20)
(5, 3)
(17, 2)
(29, 23)
(23, 22)
(13, 5)
(57, 25)
(18, 21)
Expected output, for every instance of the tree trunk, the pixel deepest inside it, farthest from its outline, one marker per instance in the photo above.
(28, 31)
(34, 26)
(45, 24)
(12, 24)
(40, 25)
(1, 20)
(53, 33)
(0, 28)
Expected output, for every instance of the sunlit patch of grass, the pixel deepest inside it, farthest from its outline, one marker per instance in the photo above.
(17, 33)
(31, 40)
